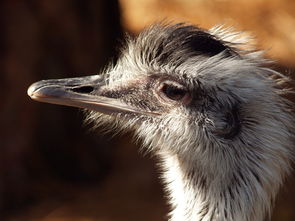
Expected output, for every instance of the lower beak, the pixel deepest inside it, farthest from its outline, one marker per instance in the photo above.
(83, 92)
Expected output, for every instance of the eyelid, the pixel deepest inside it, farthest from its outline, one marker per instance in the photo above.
(169, 82)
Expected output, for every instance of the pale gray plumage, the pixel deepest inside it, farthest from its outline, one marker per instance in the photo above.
(211, 111)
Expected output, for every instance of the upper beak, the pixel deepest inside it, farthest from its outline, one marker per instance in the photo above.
(77, 92)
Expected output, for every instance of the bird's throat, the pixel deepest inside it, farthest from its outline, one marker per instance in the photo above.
(197, 195)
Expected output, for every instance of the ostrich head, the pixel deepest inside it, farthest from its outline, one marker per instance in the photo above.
(212, 112)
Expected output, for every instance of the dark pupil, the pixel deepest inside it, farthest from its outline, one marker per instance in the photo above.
(173, 92)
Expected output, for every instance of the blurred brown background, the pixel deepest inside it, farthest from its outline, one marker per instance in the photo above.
(52, 167)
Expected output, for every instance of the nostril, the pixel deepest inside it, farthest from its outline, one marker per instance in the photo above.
(83, 89)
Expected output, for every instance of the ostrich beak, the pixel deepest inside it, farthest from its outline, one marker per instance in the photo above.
(82, 92)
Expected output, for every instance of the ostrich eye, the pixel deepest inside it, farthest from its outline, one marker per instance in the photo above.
(172, 91)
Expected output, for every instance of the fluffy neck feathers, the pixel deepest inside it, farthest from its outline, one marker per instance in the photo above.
(202, 194)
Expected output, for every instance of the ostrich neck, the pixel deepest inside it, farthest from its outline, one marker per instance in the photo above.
(204, 193)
